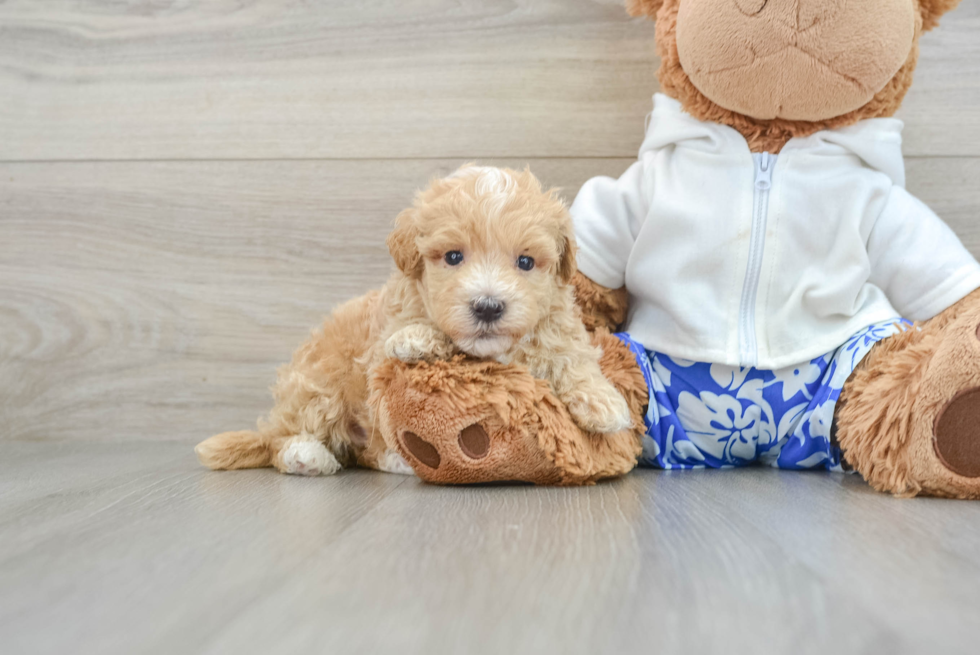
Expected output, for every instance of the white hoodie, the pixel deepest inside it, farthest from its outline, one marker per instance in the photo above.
(764, 261)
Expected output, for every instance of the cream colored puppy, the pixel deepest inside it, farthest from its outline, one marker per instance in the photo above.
(485, 259)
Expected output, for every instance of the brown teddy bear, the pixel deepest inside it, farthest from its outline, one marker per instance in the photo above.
(770, 257)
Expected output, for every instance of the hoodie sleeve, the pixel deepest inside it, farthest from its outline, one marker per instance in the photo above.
(607, 214)
(917, 260)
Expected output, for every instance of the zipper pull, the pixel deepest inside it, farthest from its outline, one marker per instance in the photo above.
(763, 172)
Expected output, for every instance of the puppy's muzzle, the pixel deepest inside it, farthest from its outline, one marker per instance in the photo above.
(487, 310)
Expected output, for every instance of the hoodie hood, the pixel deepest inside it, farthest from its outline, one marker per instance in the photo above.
(877, 142)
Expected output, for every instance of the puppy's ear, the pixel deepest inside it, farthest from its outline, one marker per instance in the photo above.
(648, 8)
(566, 250)
(932, 10)
(402, 244)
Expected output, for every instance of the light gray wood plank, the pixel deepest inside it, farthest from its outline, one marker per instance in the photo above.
(153, 563)
(22, 481)
(287, 79)
(940, 110)
(910, 562)
(91, 478)
(639, 564)
(749, 561)
(255, 562)
(154, 300)
(951, 187)
(427, 78)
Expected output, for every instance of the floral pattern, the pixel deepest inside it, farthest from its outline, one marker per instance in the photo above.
(717, 416)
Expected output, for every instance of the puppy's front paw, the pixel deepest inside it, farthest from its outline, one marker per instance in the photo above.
(599, 408)
(417, 343)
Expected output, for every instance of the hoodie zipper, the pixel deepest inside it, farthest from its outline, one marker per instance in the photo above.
(748, 342)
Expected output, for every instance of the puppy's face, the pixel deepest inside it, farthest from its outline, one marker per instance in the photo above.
(490, 250)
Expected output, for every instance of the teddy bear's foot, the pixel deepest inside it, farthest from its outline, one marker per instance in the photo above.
(473, 442)
(465, 457)
(463, 421)
(957, 435)
(909, 421)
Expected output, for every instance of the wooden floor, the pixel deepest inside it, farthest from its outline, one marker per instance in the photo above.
(187, 187)
(131, 548)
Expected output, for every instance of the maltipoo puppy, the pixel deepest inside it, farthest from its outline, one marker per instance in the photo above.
(485, 260)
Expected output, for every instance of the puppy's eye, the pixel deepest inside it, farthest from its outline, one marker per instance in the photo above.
(454, 258)
(525, 263)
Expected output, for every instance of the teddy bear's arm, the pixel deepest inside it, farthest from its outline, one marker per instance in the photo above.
(608, 214)
(600, 306)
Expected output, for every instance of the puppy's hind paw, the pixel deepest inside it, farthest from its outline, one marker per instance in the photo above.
(308, 457)
(600, 409)
(392, 462)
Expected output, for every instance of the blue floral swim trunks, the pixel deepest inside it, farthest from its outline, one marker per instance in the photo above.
(718, 416)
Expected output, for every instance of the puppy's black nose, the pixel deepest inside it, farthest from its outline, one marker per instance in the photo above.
(487, 310)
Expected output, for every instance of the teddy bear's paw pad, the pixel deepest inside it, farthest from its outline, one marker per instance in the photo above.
(957, 434)
(422, 450)
(474, 442)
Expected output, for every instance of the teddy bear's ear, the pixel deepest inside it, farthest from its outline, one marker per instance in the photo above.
(648, 8)
(932, 10)
(403, 247)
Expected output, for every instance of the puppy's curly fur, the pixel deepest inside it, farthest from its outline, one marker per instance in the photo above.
(495, 223)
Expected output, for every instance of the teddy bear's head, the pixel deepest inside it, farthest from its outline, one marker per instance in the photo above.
(775, 69)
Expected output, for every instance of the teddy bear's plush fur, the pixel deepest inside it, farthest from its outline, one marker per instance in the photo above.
(908, 416)
(484, 422)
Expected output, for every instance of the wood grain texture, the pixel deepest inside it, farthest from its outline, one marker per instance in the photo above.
(123, 548)
(204, 79)
(290, 79)
(154, 300)
(128, 548)
(843, 538)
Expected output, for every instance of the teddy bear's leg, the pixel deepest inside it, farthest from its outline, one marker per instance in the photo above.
(909, 416)
(465, 421)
